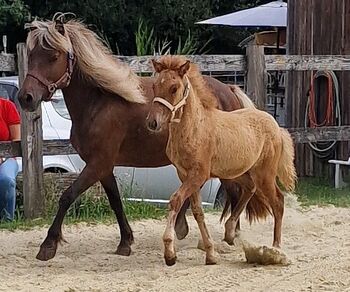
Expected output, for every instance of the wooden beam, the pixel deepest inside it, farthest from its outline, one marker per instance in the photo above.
(205, 62)
(31, 143)
(7, 62)
(301, 135)
(256, 75)
(307, 62)
(224, 63)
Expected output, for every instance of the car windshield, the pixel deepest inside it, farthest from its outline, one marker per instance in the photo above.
(59, 105)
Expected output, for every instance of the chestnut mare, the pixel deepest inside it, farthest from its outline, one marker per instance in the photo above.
(246, 146)
(108, 112)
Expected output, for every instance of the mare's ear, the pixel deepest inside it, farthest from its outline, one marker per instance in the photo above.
(184, 68)
(60, 26)
(158, 67)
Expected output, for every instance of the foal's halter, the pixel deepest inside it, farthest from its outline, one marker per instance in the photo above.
(62, 82)
(178, 106)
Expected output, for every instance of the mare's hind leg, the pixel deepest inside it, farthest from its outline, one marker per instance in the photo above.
(86, 179)
(197, 210)
(181, 225)
(233, 193)
(248, 189)
(277, 206)
(126, 237)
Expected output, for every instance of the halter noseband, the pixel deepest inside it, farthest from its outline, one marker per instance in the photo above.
(62, 82)
(179, 106)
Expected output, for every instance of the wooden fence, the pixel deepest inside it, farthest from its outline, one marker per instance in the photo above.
(255, 64)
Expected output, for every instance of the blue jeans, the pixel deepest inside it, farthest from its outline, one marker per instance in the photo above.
(8, 173)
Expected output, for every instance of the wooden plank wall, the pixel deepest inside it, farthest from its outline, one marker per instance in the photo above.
(316, 27)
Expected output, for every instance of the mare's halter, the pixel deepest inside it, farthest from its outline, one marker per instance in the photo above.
(62, 82)
(178, 106)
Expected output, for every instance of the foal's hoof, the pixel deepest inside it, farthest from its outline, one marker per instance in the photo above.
(46, 253)
(210, 261)
(170, 262)
(229, 240)
(124, 250)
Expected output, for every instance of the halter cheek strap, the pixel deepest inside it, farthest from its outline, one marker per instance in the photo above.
(62, 82)
(179, 106)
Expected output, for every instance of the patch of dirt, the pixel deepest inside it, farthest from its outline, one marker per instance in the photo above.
(317, 243)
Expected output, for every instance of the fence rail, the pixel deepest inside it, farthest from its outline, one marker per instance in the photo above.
(299, 135)
(238, 62)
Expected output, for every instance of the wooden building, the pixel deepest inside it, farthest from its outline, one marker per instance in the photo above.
(317, 27)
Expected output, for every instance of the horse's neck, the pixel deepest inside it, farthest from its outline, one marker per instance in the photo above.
(78, 97)
(192, 117)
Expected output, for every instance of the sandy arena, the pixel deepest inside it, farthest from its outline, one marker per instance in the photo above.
(317, 242)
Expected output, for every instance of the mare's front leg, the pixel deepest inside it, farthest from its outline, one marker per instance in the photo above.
(86, 179)
(126, 237)
(248, 189)
(177, 199)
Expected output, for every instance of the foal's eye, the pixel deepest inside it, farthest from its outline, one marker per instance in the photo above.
(173, 89)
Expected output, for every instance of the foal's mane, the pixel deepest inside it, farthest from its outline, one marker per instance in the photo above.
(204, 93)
(94, 59)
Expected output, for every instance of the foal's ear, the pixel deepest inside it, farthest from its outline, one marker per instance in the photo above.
(60, 26)
(158, 67)
(184, 68)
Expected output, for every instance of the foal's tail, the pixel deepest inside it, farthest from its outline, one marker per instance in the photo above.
(245, 101)
(286, 169)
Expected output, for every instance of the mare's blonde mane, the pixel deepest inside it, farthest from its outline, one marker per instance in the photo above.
(94, 59)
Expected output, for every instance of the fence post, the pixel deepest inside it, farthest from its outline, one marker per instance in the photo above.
(256, 75)
(31, 142)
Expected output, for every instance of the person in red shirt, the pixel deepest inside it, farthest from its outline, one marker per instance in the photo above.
(10, 130)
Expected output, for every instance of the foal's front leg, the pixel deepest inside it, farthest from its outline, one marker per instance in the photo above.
(197, 210)
(177, 199)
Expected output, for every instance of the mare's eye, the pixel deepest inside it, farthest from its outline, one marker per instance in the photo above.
(53, 57)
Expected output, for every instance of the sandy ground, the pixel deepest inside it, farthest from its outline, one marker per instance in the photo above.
(317, 241)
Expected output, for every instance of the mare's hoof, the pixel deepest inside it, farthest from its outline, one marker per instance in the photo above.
(170, 262)
(181, 229)
(123, 250)
(46, 253)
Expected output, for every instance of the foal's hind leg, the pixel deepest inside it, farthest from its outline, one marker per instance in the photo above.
(277, 210)
(197, 210)
(126, 237)
(248, 189)
(86, 179)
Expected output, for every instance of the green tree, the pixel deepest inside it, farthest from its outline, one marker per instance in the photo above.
(13, 14)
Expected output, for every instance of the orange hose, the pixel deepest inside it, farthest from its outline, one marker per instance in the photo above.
(328, 118)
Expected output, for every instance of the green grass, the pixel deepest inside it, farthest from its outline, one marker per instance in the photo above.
(317, 191)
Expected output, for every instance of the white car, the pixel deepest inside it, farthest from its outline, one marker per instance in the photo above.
(154, 185)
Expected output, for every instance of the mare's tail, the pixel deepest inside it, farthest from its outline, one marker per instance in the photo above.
(245, 101)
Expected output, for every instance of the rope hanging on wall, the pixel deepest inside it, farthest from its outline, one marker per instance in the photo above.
(332, 115)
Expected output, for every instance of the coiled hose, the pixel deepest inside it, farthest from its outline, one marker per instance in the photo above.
(332, 115)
